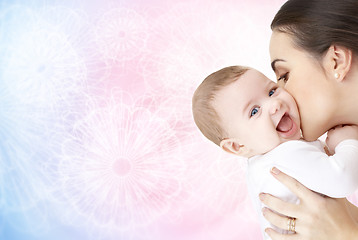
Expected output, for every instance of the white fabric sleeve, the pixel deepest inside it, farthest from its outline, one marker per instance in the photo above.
(335, 176)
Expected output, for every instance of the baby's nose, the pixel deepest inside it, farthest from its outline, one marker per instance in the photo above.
(276, 106)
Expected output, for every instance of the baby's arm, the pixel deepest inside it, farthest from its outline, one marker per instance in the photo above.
(340, 133)
(334, 176)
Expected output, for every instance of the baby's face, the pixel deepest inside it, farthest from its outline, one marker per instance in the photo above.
(256, 112)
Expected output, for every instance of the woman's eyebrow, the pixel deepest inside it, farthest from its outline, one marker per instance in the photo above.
(274, 62)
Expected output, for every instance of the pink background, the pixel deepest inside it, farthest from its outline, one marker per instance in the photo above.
(97, 136)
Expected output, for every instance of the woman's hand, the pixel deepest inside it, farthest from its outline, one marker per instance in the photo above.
(317, 217)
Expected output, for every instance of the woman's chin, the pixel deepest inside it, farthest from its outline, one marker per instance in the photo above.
(311, 134)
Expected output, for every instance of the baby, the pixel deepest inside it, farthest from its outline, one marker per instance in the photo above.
(247, 114)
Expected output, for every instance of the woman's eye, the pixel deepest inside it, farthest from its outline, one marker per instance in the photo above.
(272, 91)
(283, 78)
(254, 111)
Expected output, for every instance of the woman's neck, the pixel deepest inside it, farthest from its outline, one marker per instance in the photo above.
(347, 99)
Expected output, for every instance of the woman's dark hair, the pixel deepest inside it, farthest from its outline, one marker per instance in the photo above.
(317, 24)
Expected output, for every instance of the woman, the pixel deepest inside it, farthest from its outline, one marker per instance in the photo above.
(316, 217)
(314, 53)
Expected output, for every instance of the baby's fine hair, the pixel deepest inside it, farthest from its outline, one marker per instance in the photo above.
(205, 116)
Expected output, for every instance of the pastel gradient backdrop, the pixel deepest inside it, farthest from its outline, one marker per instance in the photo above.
(97, 139)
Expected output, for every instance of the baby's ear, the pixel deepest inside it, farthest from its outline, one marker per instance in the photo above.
(231, 145)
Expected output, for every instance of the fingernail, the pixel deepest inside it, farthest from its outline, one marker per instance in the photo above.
(275, 171)
(264, 210)
(262, 196)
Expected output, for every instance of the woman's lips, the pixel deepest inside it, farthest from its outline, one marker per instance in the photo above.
(286, 127)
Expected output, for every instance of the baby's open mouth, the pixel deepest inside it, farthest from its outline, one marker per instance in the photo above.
(285, 123)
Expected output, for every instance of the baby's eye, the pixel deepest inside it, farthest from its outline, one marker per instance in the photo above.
(283, 78)
(254, 111)
(272, 91)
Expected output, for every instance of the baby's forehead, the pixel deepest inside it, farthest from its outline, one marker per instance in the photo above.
(255, 74)
(246, 87)
(252, 78)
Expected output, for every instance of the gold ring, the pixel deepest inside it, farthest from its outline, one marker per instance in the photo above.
(291, 224)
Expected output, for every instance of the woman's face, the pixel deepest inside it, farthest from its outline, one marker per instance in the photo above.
(305, 79)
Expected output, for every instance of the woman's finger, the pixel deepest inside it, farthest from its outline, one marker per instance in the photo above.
(279, 236)
(278, 205)
(296, 187)
(276, 219)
